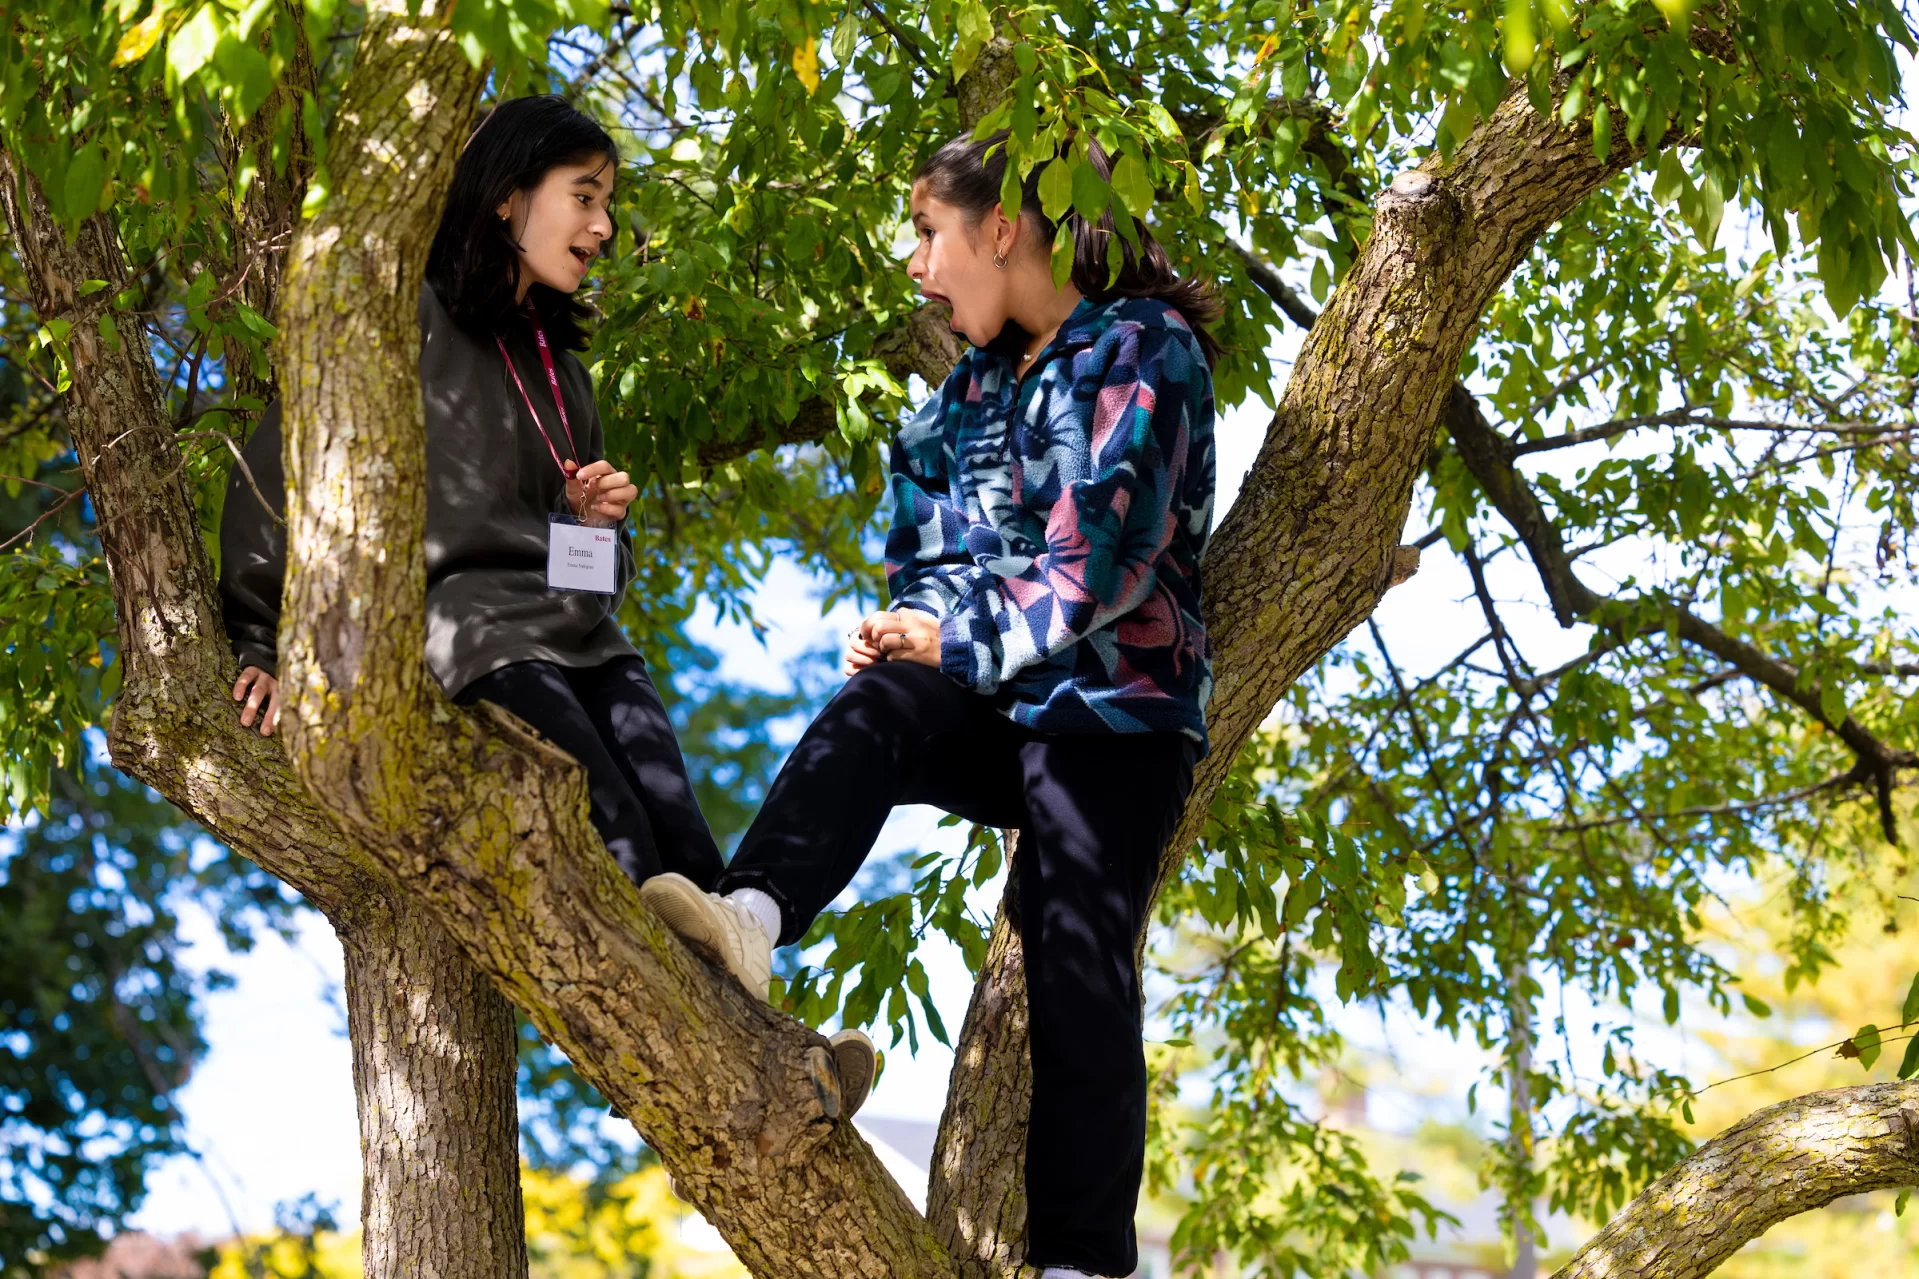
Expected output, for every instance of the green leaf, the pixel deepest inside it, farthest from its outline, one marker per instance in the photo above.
(1757, 1007)
(1899, 1204)
(1866, 1041)
(973, 30)
(192, 45)
(1909, 1064)
(1670, 179)
(1132, 184)
(247, 74)
(1062, 255)
(1685, 1108)
(1521, 36)
(86, 179)
(845, 38)
(1090, 192)
(1602, 131)
(1056, 188)
(1012, 195)
(1910, 1013)
(1292, 77)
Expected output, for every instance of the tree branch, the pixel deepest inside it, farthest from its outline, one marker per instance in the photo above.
(920, 344)
(1784, 1160)
(1688, 416)
(1489, 457)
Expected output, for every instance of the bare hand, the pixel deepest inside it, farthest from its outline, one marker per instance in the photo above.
(599, 493)
(903, 635)
(257, 689)
(859, 653)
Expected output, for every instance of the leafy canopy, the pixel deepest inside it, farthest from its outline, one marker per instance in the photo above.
(1699, 430)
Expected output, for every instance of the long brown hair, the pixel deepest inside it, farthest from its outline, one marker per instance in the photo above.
(967, 175)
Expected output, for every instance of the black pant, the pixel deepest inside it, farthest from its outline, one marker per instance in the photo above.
(609, 718)
(1094, 813)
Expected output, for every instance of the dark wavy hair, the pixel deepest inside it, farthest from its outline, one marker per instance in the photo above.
(472, 263)
(967, 175)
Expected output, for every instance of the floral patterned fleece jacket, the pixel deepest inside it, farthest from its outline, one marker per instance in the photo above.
(1055, 525)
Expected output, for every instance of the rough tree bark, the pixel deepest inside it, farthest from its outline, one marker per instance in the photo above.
(176, 729)
(436, 1074)
(1777, 1163)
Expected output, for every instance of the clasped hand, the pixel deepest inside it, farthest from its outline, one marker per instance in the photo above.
(897, 635)
(598, 494)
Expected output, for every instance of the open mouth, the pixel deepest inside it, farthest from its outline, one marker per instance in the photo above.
(940, 298)
(585, 256)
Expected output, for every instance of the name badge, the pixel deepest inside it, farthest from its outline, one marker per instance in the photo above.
(579, 558)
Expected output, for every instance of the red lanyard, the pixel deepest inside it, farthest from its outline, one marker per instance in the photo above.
(552, 380)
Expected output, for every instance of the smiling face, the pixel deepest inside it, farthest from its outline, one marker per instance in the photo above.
(561, 224)
(952, 263)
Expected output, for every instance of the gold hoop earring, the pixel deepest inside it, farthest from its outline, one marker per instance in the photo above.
(999, 259)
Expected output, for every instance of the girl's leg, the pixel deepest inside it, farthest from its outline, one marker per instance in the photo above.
(894, 733)
(631, 720)
(540, 694)
(1099, 812)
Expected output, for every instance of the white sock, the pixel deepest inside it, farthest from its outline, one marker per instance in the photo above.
(1063, 1272)
(762, 908)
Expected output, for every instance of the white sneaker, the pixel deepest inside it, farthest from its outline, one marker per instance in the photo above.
(858, 1063)
(723, 932)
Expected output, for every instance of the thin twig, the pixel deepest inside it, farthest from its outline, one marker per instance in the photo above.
(1857, 773)
(43, 517)
(245, 470)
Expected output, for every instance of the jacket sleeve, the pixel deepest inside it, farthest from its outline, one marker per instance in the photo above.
(1108, 530)
(927, 564)
(253, 556)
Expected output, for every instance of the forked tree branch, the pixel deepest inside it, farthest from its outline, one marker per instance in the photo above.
(1490, 457)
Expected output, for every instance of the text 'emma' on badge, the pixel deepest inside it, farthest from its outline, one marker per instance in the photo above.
(579, 558)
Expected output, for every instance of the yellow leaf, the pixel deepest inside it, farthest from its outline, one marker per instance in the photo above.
(139, 40)
(806, 63)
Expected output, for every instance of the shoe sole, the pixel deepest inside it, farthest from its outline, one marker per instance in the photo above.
(856, 1062)
(684, 909)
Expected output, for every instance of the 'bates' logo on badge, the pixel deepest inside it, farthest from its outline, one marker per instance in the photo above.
(579, 558)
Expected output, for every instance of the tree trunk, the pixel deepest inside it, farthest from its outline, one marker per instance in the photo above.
(1308, 549)
(1787, 1159)
(1519, 1120)
(176, 728)
(474, 812)
(435, 1070)
(976, 1198)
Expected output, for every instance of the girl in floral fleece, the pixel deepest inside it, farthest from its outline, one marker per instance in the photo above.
(1043, 664)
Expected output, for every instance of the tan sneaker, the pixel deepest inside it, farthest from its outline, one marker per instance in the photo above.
(714, 927)
(858, 1063)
